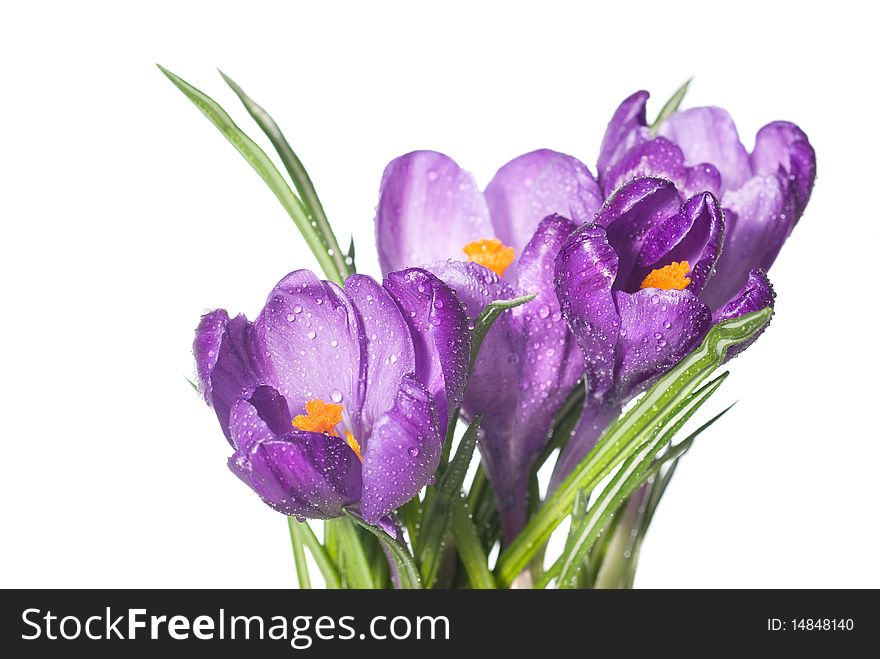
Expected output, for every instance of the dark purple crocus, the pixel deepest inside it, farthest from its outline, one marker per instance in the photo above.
(763, 193)
(337, 397)
(631, 285)
(431, 212)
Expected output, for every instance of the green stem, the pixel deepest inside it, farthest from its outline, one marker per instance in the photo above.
(470, 549)
(357, 567)
(325, 564)
(299, 556)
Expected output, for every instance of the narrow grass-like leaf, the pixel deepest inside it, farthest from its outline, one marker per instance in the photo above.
(319, 553)
(670, 107)
(352, 558)
(299, 555)
(192, 384)
(487, 318)
(438, 514)
(407, 571)
(646, 417)
(627, 480)
(298, 175)
(261, 163)
(470, 549)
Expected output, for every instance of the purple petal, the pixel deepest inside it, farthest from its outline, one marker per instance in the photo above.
(702, 178)
(757, 220)
(693, 235)
(298, 473)
(627, 128)
(388, 348)
(403, 451)
(782, 145)
(535, 185)
(440, 335)
(228, 362)
(310, 335)
(708, 135)
(631, 215)
(658, 157)
(757, 294)
(657, 329)
(429, 209)
(586, 268)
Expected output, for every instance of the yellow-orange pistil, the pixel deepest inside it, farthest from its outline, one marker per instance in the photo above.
(324, 417)
(490, 253)
(668, 277)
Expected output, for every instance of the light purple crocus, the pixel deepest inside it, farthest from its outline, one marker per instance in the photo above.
(337, 397)
(429, 211)
(631, 285)
(763, 193)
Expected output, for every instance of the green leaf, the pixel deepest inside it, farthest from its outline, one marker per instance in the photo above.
(299, 555)
(646, 417)
(470, 549)
(352, 558)
(407, 571)
(487, 318)
(350, 255)
(192, 384)
(671, 106)
(298, 175)
(627, 480)
(322, 559)
(261, 163)
(439, 509)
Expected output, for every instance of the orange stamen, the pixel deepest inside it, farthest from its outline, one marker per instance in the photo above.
(319, 417)
(668, 277)
(353, 443)
(490, 253)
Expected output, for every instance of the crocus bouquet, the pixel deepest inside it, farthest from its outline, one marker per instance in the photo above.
(555, 321)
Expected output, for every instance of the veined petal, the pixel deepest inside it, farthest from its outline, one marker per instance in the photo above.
(782, 145)
(757, 219)
(388, 348)
(657, 329)
(429, 209)
(631, 215)
(658, 157)
(403, 451)
(535, 185)
(708, 135)
(298, 473)
(228, 362)
(693, 234)
(440, 335)
(627, 128)
(586, 268)
(757, 294)
(310, 334)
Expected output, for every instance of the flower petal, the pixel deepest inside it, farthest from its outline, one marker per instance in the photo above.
(658, 157)
(429, 209)
(708, 135)
(627, 128)
(310, 334)
(693, 235)
(440, 335)
(403, 451)
(535, 185)
(298, 473)
(757, 294)
(782, 145)
(388, 348)
(657, 329)
(631, 215)
(228, 362)
(757, 219)
(586, 268)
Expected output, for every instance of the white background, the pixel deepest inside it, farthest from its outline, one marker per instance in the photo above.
(125, 215)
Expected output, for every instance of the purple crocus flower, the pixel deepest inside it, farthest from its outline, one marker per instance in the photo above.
(763, 193)
(335, 397)
(632, 286)
(431, 212)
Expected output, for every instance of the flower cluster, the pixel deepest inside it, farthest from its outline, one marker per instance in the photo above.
(338, 398)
